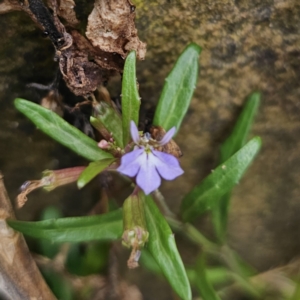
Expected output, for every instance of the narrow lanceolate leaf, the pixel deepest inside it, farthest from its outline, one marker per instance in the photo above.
(149, 262)
(97, 124)
(204, 286)
(105, 227)
(219, 182)
(240, 132)
(111, 121)
(130, 96)
(233, 143)
(92, 170)
(61, 131)
(178, 89)
(162, 246)
(215, 275)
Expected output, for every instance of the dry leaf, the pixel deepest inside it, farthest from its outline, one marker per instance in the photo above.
(65, 9)
(111, 28)
(83, 67)
(106, 60)
(81, 76)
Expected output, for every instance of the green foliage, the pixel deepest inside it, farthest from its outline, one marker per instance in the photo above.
(106, 227)
(48, 248)
(212, 194)
(162, 246)
(110, 120)
(149, 262)
(61, 131)
(130, 97)
(178, 89)
(219, 182)
(240, 132)
(87, 259)
(203, 283)
(214, 275)
(93, 170)
(296, 294)
(233, 143)
(60, 287)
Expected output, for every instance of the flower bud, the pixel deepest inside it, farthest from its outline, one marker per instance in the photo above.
(50, 180)
(54, 178)
(135, 233)
(103, 144)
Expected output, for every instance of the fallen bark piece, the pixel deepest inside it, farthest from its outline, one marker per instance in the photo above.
(20, 279)
(111, 28)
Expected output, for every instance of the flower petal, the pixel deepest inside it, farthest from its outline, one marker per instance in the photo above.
(167, 165)
(148, 179)
(167, 137)
(134, 132)
(169, 159)
(131, 162)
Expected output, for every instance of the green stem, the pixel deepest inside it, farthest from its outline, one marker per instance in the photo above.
(192, 233)
(162, 205)
(186, 229)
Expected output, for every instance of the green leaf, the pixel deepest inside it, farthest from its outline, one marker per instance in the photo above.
(233, 143)
(110, 120)
(162, 246)
(240, 132)
(46, 247)
(59, 285)
(92, 170)
(296, 293)
(105, 227)
(215, 276)
(203, 284)
(92, 260)
(130, 96)
(219, 182)
(178, 89)
(97, 124)
(149, 262)
(61, 131)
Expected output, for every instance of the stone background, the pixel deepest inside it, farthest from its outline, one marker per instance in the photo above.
(247, 46)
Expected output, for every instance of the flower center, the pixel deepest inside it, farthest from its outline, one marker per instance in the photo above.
(147, 142)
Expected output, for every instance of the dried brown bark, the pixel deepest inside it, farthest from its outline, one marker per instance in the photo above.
(111, 28)
(20, 278)
(84, 64)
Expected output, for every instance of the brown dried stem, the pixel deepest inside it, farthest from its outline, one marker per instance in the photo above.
(21, 279)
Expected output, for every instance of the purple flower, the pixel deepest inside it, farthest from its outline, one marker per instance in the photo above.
(148, 164)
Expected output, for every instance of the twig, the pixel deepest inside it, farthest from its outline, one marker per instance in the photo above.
(21, 279)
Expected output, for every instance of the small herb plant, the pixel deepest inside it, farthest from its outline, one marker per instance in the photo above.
(145, 159)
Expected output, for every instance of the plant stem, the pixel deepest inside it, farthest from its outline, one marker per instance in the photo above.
(186, 229)
(193, 234)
